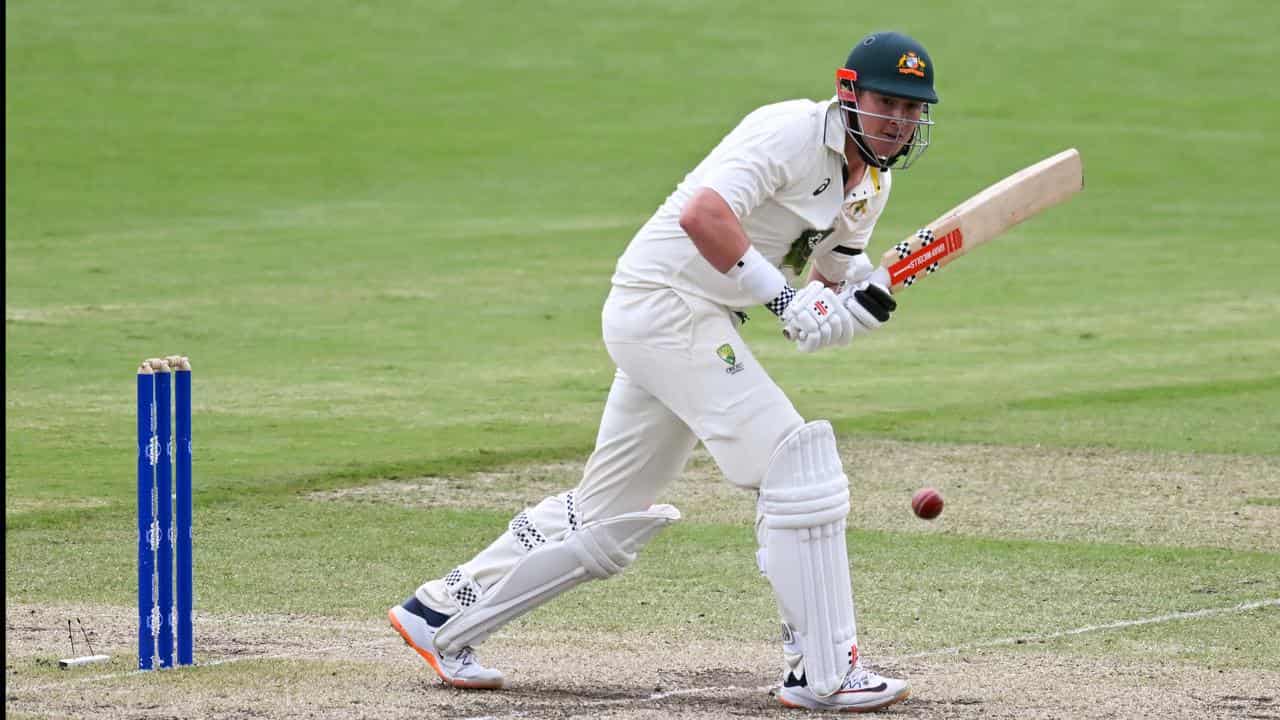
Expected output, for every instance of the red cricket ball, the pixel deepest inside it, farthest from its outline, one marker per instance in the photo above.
(927, 503)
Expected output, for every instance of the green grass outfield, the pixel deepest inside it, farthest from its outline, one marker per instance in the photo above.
(383, 234)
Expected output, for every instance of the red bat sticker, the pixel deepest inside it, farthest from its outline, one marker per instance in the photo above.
(926, 256)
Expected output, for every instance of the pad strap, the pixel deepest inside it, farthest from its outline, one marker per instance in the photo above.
(596, 550)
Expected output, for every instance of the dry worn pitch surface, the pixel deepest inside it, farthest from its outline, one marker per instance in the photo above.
(302, 667)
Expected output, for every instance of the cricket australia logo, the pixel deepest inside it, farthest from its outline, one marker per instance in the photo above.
(911, 64)
(856, 211)
(726, 354)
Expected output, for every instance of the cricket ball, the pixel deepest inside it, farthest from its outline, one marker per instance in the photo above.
(927, 503)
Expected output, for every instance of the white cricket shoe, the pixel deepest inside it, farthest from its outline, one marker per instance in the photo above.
(460, 669)
(861, 691)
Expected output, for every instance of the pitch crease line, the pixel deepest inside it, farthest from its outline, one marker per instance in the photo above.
(1190, 615)
(1120, 624)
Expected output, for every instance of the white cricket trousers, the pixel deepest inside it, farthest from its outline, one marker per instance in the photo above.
(684, 375)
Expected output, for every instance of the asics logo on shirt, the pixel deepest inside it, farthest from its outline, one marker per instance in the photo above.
(822, 187)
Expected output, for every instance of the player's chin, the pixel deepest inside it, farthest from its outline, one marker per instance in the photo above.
(886, 150)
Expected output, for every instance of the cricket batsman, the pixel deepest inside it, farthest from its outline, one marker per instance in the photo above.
(796, 184)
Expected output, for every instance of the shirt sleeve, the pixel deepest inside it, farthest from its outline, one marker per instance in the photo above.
(761, 161)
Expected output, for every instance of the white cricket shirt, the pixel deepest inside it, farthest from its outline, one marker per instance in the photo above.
(781, 170)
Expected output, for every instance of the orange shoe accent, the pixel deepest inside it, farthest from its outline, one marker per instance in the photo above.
(434, 663)
(426, 655)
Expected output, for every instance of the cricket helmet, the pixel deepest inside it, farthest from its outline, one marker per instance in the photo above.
(888, 63)
(891, 63)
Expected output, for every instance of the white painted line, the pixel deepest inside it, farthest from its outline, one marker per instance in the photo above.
(82, 660)
(114, 676)
(199, 664)
(1191, 615)
(1118, 625)
(633, 701)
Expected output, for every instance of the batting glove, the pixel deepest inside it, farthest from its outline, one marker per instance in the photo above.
(869, 302)
(817, 318)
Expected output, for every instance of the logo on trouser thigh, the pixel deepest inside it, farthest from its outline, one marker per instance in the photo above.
(726, 354)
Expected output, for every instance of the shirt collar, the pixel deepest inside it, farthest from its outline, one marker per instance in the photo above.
(833, 134)
(869, 186)
(833, 137)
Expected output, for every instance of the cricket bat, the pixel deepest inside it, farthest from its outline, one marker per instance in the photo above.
(983, 217)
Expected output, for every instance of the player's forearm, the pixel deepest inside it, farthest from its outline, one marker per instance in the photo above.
(710, 223)
(716, 232)
(815, 276)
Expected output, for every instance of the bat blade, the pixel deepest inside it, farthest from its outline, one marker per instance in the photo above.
(984, 216)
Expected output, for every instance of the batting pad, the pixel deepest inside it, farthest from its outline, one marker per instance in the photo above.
(805, 500)
(596, 550)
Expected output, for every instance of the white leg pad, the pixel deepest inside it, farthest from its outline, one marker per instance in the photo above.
(596, 550)
(804, 501)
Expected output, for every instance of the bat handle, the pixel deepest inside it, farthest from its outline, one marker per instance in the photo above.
(787, 334)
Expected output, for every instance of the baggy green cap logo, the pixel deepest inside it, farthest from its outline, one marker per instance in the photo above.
(726, 354)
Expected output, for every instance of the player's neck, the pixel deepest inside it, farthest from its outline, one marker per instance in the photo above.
(855, 164)
(857, 169)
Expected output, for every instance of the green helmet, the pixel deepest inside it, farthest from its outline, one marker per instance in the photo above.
(891, 63)
(888, 63)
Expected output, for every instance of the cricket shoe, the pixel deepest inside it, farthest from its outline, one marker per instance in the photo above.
(418, 624)
(861, 691)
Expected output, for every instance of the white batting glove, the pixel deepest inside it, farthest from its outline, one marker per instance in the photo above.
(859, 271)
(817, 318)
(869, 302)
